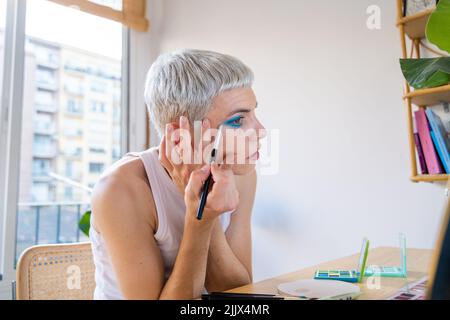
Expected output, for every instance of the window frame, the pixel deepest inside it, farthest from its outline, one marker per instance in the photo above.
(12, 94)
(11, 129)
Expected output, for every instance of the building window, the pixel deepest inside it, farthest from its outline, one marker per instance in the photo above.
(98, 107)
(97, 150)
(73, 150)
(68, 193)
(41, 167)
(40, 192)
(96, 167)
(69, 168)
(74, 107)
(44, 98)
(45, 78)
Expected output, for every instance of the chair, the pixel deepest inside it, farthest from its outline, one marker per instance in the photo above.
(56, 272)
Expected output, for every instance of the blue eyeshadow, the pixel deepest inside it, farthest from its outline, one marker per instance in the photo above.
(230, 122)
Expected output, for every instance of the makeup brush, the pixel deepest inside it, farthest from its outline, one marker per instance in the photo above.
(207, 183)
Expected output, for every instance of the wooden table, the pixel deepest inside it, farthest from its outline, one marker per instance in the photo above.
(417, 264)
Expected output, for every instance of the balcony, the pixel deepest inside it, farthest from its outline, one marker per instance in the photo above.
(49, 62)
(41, 176)
(46, 108)
(52, 222)
(47, 85)
(74, 153)
(44, 151)
(44, 128)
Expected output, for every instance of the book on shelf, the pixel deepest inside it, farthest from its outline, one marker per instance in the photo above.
(439, 151)
(439, 137)
(423, 165)
(432, 160)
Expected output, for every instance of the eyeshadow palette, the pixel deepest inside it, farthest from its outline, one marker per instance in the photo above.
(414, 291)
(347, 275)
(342, 275)
(381, 271)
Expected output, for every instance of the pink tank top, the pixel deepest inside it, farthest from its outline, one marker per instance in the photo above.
(170, 209)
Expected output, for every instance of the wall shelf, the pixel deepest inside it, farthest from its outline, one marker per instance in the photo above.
(429, 97)
(415, 25)
(430, 177)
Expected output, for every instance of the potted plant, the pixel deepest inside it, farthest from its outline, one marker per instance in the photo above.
(85, 222)
(432, 72)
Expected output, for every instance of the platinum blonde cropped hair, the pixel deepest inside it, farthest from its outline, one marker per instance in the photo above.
(184, 83)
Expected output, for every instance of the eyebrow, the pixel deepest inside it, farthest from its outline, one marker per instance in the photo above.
(242, 110)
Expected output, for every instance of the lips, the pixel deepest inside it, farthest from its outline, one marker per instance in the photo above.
(254, 156)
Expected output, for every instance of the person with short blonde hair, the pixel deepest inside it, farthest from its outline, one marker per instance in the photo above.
(147, 241)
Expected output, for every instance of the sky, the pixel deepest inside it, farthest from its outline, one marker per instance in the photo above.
(64, 25)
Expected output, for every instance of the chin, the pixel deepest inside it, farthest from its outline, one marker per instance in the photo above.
(243, 169)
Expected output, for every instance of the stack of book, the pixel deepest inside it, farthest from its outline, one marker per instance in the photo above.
(432, 142)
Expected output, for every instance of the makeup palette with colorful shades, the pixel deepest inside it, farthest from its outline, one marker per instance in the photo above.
(347, 275)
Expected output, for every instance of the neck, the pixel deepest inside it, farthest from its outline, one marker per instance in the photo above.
(165, 169)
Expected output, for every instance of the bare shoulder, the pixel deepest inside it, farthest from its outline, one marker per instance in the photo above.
(124, 189)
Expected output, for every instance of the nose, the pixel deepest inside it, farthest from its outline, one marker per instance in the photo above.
(261, 130)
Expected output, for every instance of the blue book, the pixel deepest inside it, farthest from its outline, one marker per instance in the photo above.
(438, 149)
(440, 138)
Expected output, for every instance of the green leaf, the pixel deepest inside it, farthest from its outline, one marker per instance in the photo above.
(85, 222)
(438, 26)
(426, 73)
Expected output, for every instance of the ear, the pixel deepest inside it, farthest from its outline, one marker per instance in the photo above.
(175, 124)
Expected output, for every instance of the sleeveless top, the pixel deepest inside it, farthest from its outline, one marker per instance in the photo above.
(170, 209)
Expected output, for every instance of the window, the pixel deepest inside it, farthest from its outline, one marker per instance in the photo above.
(68, 193)
(97, 150)
(41, 167)
(47, 58)
(44, 124)
(73, 74)
(69, 168)
(44, 97)
(73, 149)
(45, 79)
(74, 106)
(40, 192)
(98, 107)
(43, 147)
(95, 167)
(44, 101)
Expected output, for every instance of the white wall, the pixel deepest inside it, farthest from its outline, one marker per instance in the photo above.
(334, 90)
